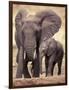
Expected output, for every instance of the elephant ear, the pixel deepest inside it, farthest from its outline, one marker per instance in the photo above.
(19, 19)
(52, 46)
(49, 22)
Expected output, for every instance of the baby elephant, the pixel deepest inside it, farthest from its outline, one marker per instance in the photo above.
(53, 52)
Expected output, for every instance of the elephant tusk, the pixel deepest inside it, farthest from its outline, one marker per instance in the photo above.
(30, 68)
(34, 55)
(24, 55)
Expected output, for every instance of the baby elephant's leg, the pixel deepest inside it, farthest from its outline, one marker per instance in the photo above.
(46, 65)
(51, 65)
(60, 58)
(59, 67)
(53, 68)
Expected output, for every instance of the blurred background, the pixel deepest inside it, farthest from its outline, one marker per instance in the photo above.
(60, 36)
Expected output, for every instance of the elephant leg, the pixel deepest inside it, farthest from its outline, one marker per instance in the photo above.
(49, 70)
(46, 65)
(20, 64)
(36, 68)
(52, 69)
(25, 69)
(17, 56)
(36, 65)
(59, 67)
(50, 65)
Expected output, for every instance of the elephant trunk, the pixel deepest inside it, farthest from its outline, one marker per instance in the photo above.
(30, 46)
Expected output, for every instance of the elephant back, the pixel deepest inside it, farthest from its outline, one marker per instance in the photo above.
(60, 50)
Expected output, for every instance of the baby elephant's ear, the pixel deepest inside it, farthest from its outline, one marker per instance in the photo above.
(19, 19)
(50, 23)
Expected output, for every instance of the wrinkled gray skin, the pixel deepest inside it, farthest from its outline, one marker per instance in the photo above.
(26, 40)
(53, 52)
(29, 34)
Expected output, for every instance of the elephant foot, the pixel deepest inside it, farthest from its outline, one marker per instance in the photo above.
(26, 73)
(18, 75)
(41, 76)
(35, 73)
(49, 74)
(59, 73)
(27, 76)
(35, 69)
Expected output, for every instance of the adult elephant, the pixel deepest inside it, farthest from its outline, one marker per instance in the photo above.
(53, 52)
(26, 40)
(29, 34)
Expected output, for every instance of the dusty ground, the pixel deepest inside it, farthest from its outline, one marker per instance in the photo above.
(60, 36)
(43, 75)
(39, 81)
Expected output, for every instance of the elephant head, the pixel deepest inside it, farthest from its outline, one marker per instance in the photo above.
(27, 30)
